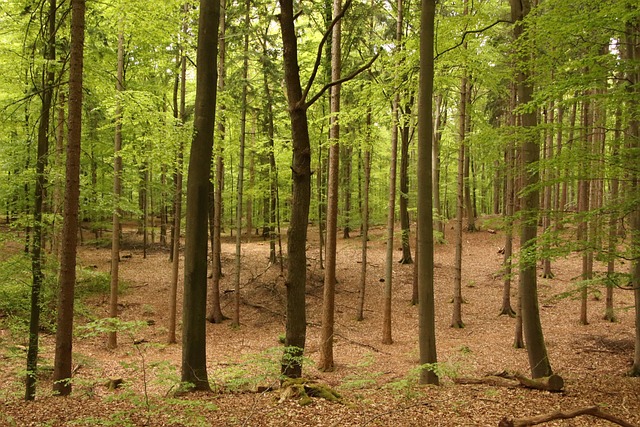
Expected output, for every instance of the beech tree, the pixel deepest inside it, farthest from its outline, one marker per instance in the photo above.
(67, 276)
(528, 290)
(426, 308)
(194, 363)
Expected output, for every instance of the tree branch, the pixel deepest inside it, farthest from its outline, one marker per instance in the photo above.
(466, 33)
(326, 35)
(340, 81)
(594, 411)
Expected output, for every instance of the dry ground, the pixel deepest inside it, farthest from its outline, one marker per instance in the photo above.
(376, 381)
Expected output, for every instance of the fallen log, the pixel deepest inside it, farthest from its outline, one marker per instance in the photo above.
(553, 382)
(594, 411)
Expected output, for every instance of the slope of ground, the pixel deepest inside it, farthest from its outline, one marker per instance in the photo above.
(377, 382)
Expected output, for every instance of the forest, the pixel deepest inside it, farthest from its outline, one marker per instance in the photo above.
(331, 213)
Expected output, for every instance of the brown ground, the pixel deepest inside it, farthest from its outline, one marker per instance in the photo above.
(376, 381)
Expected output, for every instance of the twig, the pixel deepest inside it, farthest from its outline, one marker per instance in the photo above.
(466, 33)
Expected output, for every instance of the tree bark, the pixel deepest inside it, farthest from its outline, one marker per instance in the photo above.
(194, 361)
(391, 206)
(214, 314)
(528, 288)
(296, 280)
(48, 77)
(117, 191)
(328, 301)
(67, 276)
(426, 309)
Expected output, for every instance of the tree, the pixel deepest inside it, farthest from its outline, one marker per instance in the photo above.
(328, 305)
(426, 308)
(48, 77)
(194, 363)
(215, 312)
(528, 290)
(67, 275)
(117, 190)
(391, 204)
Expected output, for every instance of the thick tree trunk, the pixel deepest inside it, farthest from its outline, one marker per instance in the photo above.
(295, 335)
(194, 361)
(67, 277)
(532, 328)
(426, 309)
(405, 223)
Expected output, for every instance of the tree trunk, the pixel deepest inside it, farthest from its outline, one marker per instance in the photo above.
(117, 191)
(365, 220)
(404, 186)
(177, 200)
(391, 206)
(214, 314)
(328, 301)
(346, 189)
(583, 209)
(194, 362)
(528, 289)
(300, 199)
(546, 208)
(456, 319)
(240, 188)
(48, 77)
(426, 310)
(67, 277)
(633, 55)
(440, 122)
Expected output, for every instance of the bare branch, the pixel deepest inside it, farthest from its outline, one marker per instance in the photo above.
(326, 35)
(466, 33)
(342, 80)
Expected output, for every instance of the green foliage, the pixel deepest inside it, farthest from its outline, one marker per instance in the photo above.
(253, 370)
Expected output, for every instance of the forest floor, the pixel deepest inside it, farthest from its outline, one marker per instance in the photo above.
(378, 383)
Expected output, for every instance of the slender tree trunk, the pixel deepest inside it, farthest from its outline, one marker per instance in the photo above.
(194, 362)
(426, 309)
(58, 197)
(609, 312)
(48, 77)
(67, 277)
(528, 288)
(117, 191)
(456, 319)
(583, 209)
(365, 220)
(328, 305)
(546, 208)
(440, 121)
(214, 314)
(177, 202)
(509, 196)
(391, 206)
(404, 186)
(346, 189)
(243, 136)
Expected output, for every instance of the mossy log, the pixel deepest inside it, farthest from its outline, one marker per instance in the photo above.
(304, 389)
